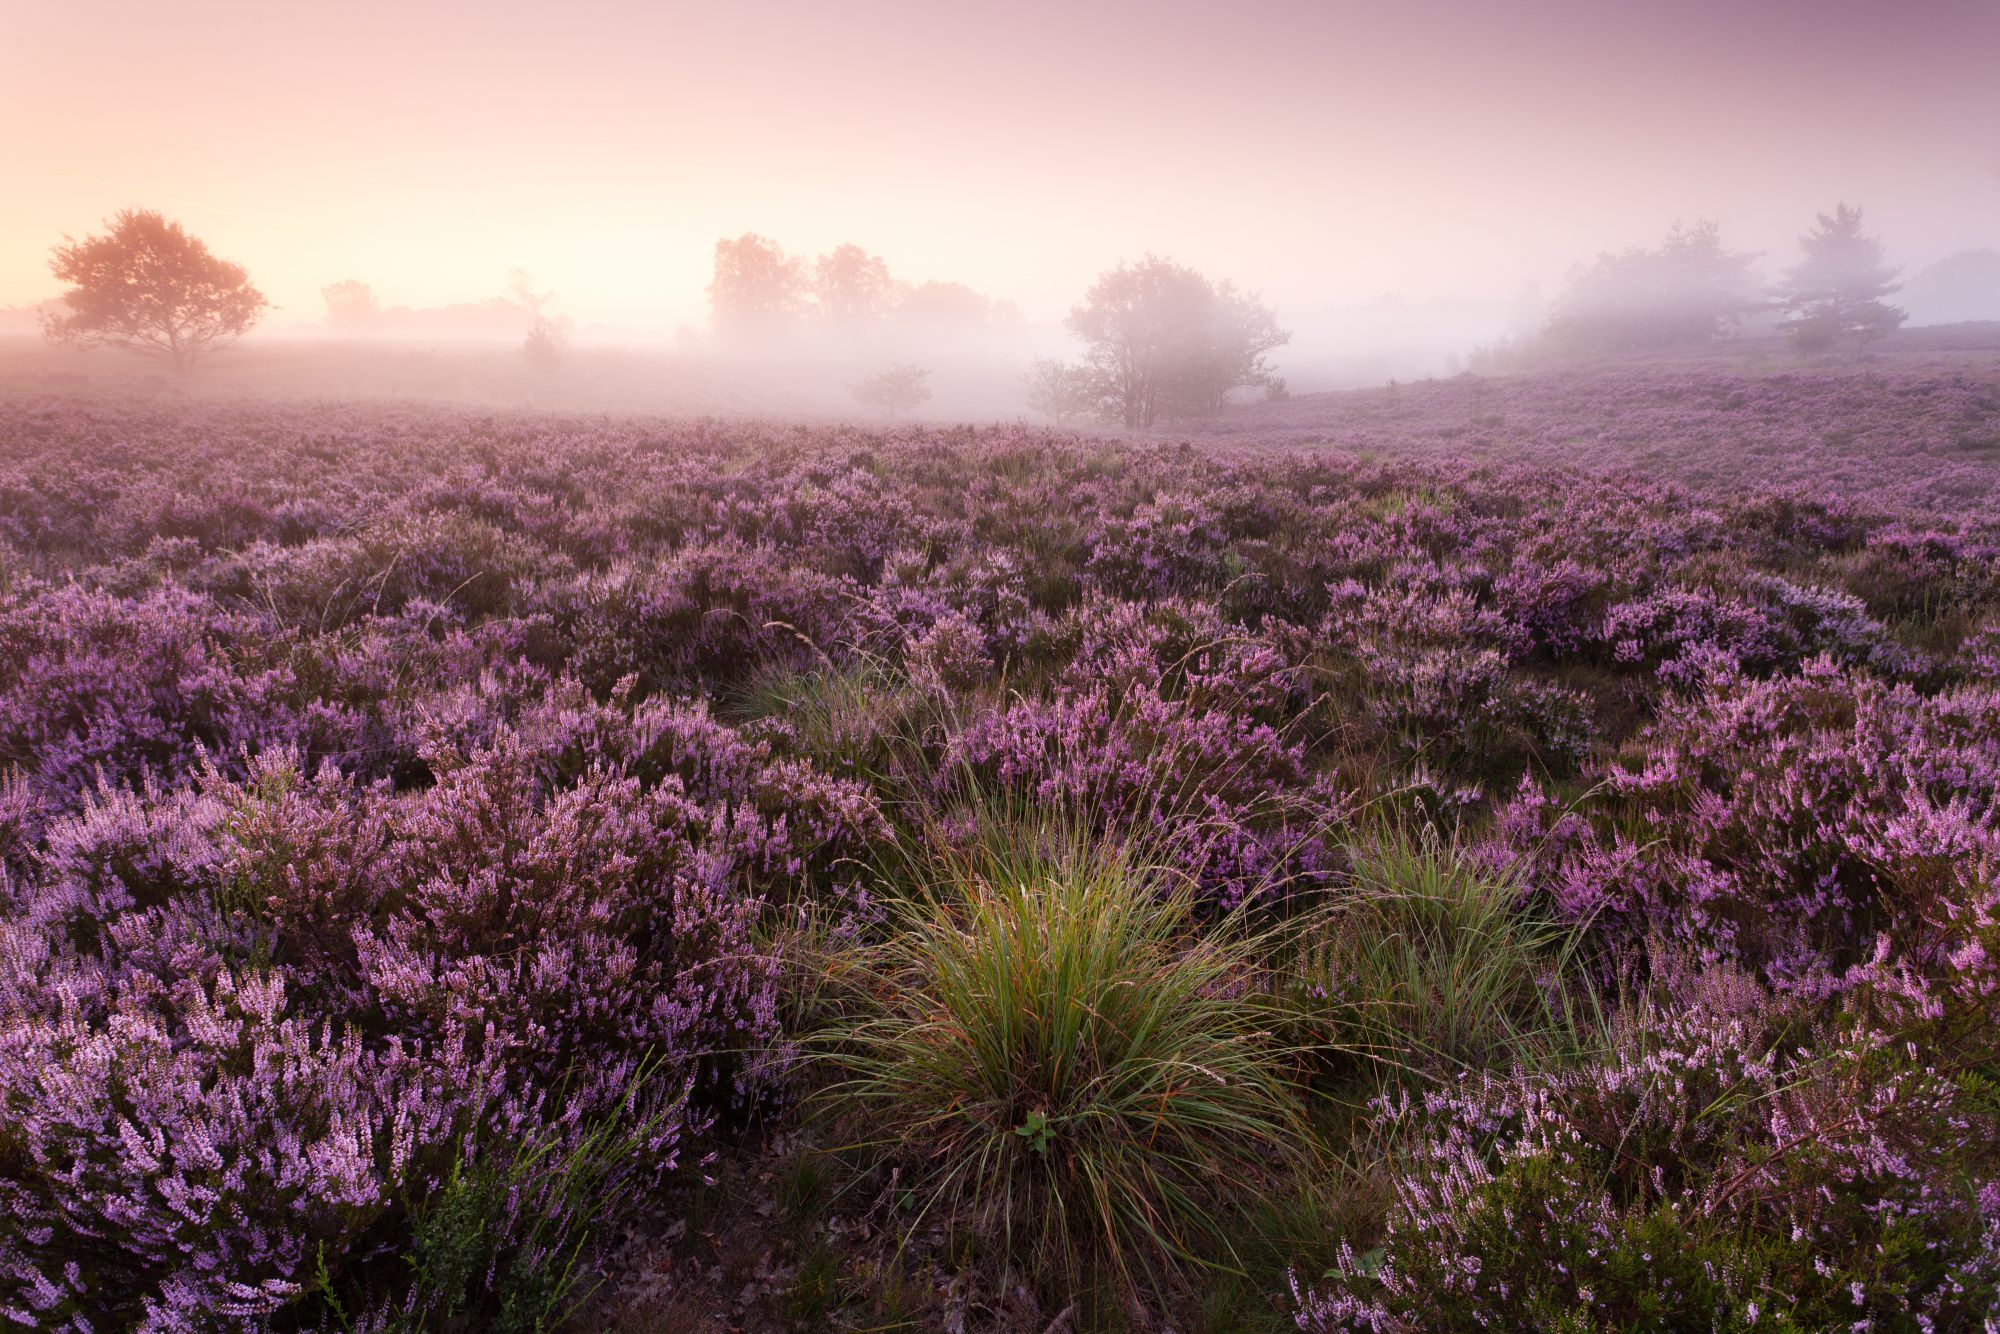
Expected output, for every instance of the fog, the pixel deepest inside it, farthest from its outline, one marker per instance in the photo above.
(1402, 185)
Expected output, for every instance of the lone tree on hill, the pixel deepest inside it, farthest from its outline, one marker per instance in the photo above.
(897, 390)
(1164, 342)
(1836, 291)
(149, 287)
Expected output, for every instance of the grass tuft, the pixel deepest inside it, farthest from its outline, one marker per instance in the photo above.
(1427, 963)
(1057, 1056)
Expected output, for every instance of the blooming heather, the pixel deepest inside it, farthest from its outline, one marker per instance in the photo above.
(392, 794)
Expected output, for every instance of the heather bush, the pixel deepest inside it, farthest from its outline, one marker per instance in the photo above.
(311, 1002)
(948, 657)
(98, 686)
(1180, 649)
(1232, 802)
(1727, 1164)
(465, 567)
(1784, 824)
(1429, 680)
(713, 615)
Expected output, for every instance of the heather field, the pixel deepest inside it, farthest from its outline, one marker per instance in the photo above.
(1488, 853)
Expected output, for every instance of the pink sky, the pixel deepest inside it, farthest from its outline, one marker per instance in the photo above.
(1318, 151)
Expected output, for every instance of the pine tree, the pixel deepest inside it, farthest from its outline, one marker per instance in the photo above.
(1836, 292)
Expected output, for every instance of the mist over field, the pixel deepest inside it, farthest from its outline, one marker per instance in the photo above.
(1095, 668)
(1402, 188)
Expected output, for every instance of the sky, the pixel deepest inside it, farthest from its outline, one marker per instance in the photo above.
(1320, 152)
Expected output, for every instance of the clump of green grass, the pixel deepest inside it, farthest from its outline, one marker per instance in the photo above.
(1056, 1055)
(853, 720)
(1427, 963)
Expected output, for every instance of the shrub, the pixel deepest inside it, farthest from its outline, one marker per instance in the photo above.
(1781, 824)
(1720, 1168)
(1431, 678)
(1229, 800)
(248, 1025)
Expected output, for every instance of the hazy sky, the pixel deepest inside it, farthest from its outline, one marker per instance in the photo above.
(1319, 151)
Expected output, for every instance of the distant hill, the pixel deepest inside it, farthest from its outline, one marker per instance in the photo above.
(1956, 289)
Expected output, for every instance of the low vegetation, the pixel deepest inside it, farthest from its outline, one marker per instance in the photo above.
(1538, 868)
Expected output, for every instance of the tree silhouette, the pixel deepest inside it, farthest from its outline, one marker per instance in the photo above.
(756, 289)
(548, 335)
(1688, 291)
(1836, 291)
(148, 287)
(1164, 342)
(350, 305)
(852, 286)
(894, 391)
(944, 305)
(1060, 391)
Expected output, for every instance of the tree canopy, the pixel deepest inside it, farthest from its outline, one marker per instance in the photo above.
(757, 288)
(894, 391)
(1060, 391)
(1165, 343)
(149, 287)
(851, 286)
(759, 291)
(1836, 291)
(1689, 290)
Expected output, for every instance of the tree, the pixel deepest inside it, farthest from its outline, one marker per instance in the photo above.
(1230, 352)
(1835, 292)
(1164, 342)
(852, 286)
(944, 305)
(1690, 291)
(756, 289)
(350, 306)
(546, 344)
(548, 335)
(896, 390)
(149, 287)
(1061, 391)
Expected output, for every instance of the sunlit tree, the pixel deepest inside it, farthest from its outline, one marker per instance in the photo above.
(148, 287)
(1163, 342)
(1835, 293)
(851, 286)
(757, 289)
(350, 305)
(944, 305)
(894, 391)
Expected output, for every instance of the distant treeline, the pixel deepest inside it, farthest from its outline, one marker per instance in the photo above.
(1692, 289)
